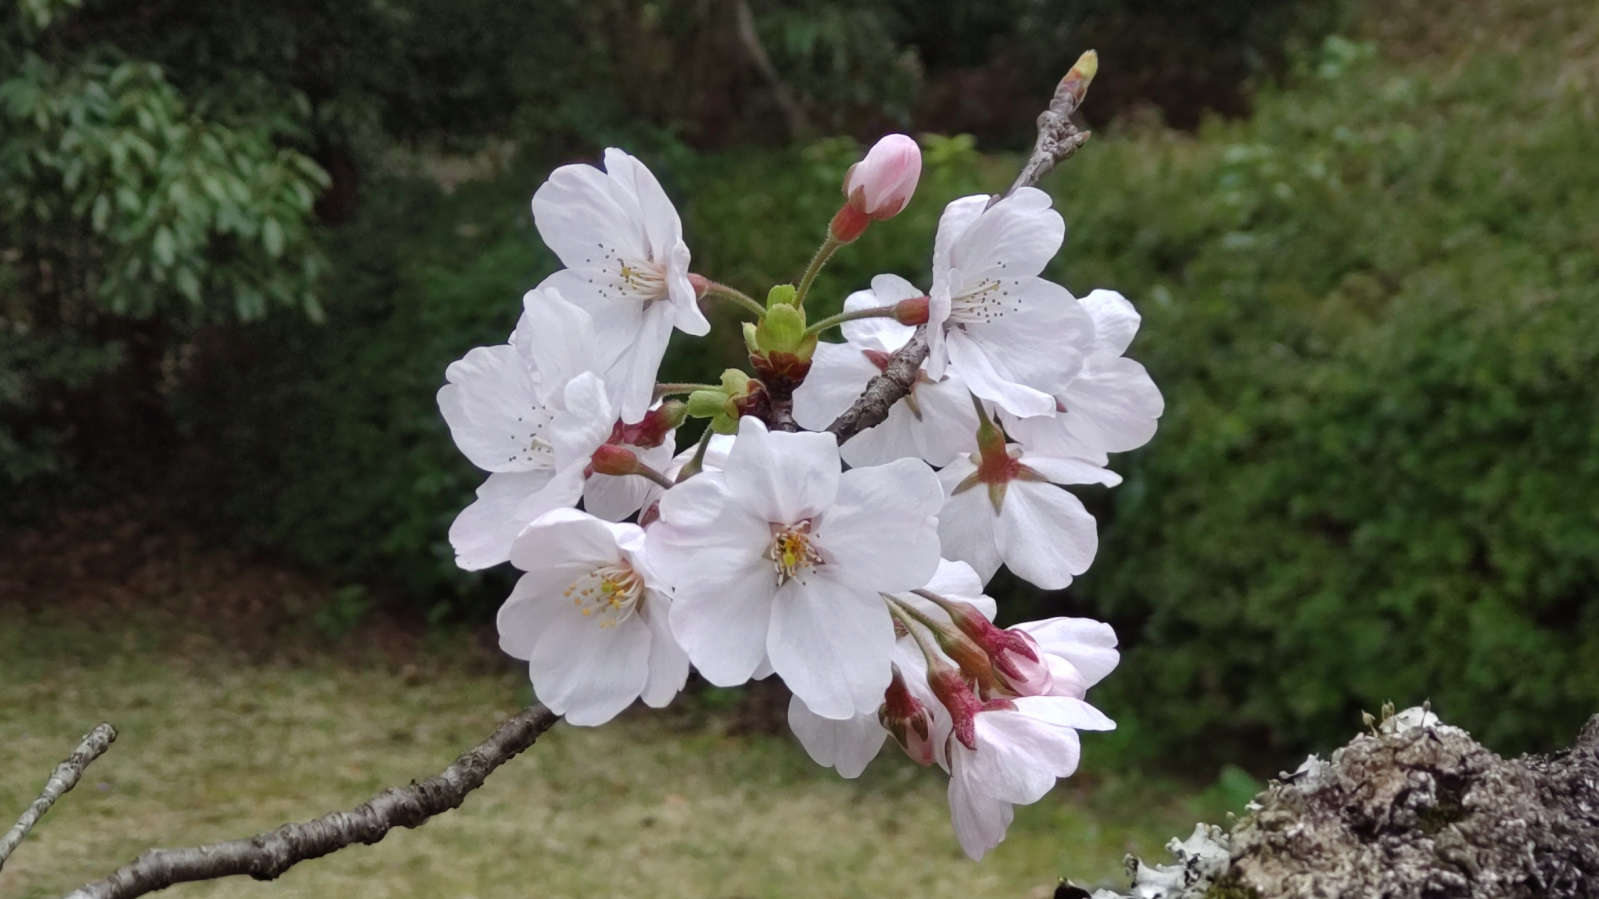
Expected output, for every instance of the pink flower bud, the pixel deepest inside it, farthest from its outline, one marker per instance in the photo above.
(904, 716)
(913, 311)
(614, 460)
(881, 184)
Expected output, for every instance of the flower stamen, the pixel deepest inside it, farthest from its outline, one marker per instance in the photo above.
(792, 550)
(610, 593)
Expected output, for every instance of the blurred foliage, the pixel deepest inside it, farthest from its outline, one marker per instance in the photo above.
(128, 215)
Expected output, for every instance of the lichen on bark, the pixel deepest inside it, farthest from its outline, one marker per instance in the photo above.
(1415, 808)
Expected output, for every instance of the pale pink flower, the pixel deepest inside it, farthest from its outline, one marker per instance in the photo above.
(781, 556)
(1110, 406)
(626, 265)
(590, 618)
(1014, 338)
(934, 422)
(1010, 511)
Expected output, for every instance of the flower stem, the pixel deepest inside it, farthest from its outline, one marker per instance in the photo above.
(823, 253)
(842, 317)
(678, 387)
(696, 464)
(735, 296)
(648, 472)
(908, 617)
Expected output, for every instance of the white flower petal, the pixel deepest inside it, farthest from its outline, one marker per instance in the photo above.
(952, 223)
(1089, 645)
(883, 334)
(1115, 320)
(494, 412)
(848, 745)
(831, 642)
(881, 527)
(482, 534)
(1063, 712)
(976, 367)
(839, 372)
(1071, 471)
(980, 821)
(1045, 535)
(668, 663)
(1015, 238)
(581, 214)
(785, 477)
(966, 523)
(588, 673)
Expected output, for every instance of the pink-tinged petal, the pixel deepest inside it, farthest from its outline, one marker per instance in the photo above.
(668, 664)
(634, 373)
(482, 534)
(557, 337)
(1045, 535)
(686, 313)
(971, 362)
(1115, 320)
(615, 323)
(784, 477)
(1071, 471)
(588, 673)
(966, 523)
(565, 537)
(1064, 678)
(1019, 756)
(1015, 238)
(615, 497)
(581, 215)
(882, 183)
(839, 372)
(658, 218)
(949, 423)
(1113, 403)
(564, 489)
(1063, 712)
(980, 821)
(831, 641)
(848, 745)
(494, 412)
(883, 334)
(1089, 645)
(722, 612)
(952, 223)
(881, 529)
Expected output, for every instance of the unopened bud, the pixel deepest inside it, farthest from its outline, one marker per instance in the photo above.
(914, 311)
(880, 185)
(782, 295)
(721, 404)
(653, 428)
(904, 716)
(614, 460)
(963, 705)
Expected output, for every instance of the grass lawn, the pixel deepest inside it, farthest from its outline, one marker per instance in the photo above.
(655, 804)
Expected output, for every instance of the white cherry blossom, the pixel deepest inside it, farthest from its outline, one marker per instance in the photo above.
(934, 422)
(1110, 406)
(781, 556)
(590, 618)
(1021, 747)
(1010, 511)
(621, 241)
(1079, 652)
(1014, 338)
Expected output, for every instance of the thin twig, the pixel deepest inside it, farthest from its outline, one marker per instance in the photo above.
(266, 856)
(62, 779)
(1058, 139)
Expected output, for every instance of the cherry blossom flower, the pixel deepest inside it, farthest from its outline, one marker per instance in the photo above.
(1110, 406)
(934, 422)
(626, 265)
(1014, 338)
(509, 501)
(590, 618)
(780, 556)
(1019, 748)
(1003, 506)
(1079, 652)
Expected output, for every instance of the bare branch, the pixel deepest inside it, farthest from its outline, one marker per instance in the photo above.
(63, 779)
(1058, 139)
(266, 856)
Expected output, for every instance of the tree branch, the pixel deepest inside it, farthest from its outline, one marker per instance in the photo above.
(1058, 139)
(63, 779)
(266, 856)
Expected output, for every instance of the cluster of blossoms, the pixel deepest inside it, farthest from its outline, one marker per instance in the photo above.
(853, 571)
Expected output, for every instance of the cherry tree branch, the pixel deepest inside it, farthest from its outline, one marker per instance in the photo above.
(265, 856)
(62, 779)
(1058, 139)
